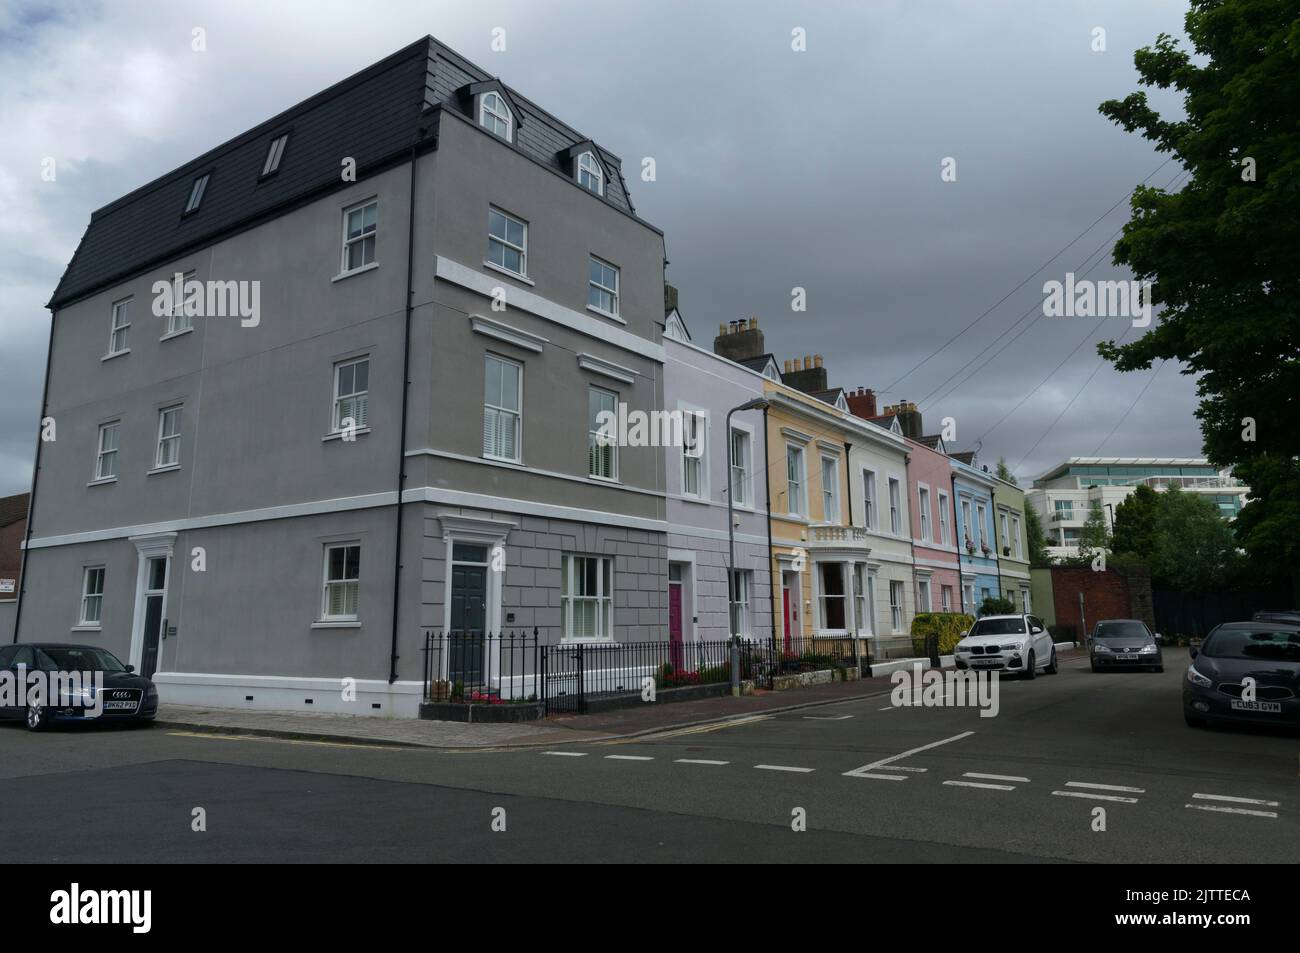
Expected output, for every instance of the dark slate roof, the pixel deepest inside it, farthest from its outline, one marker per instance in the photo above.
(374, 116)
(931, 441)
(883, 420)
(828, 396)
(757, 363)
(965, 456)
(13, 509)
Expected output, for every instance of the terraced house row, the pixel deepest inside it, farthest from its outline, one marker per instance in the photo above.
(376, 408)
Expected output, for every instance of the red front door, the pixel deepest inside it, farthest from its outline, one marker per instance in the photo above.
(675, 622)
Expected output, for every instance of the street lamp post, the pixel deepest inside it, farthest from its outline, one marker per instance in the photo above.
(758, 403)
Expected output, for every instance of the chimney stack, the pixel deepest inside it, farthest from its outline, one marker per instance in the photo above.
(909, 418)
(739, 340)
(807, 375)
(863, 403)
(670, 298)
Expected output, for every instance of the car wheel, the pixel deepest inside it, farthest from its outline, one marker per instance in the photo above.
(37, 719)
(1094, 666)
(1160, 668)
(1029, 665)
(1051, 666)
(1195, 722)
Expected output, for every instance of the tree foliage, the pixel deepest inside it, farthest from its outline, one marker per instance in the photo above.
(1223, 253)
(1135, 523)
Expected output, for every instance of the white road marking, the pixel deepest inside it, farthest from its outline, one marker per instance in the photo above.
(1096, 797)
(886, 708)
(628, 757)
(827, 717)
(1104, 787)
(903, 767)
(882, 777)
(994, 777)
(857, 772)
(698, 761)
(977, 784)
(567, 754)
(1230, 810)
(1234, 800)
(783, 767)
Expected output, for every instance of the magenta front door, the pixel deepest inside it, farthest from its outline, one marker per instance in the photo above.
(675, 622)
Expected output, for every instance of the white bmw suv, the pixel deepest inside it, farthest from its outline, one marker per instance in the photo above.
(1008, 643)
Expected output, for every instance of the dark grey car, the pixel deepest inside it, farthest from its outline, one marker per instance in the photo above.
(1216, 686)
(1124, 643)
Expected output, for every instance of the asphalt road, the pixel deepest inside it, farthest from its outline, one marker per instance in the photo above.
(872, 783)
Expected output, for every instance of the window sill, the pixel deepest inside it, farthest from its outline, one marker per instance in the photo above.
(170, 468)
(87, 628)
(104, 481)
(355, 271)
(336, 624)
(509, 274)
(113, 354)
(604, 481)
(171, 335)
(605, 314)
(338, 434)
(513, 461)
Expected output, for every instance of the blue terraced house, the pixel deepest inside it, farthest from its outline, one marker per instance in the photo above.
(972, 495)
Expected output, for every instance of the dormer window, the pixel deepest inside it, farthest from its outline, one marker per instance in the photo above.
(273, 155)
(196, 193)
(494, 115)
(590, 175)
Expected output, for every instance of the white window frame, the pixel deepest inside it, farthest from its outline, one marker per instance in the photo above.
(165, 437)
(196, 193)
(870, 505)
(945, 598)
(122, 327)
(981, 514)
(603, 289)
(831, 494)
(489, 116)
(796, 500)
(741, 485)
(360, 237)
(896, 597)
(179, 318)
(603, 601)
(863, 579)
(101, 451)
(968, 595)
(83, 619)
(895, 506)
(505, 242)
(695, 442)
(274, 153)
(943, 518)
(923, 505)
(360, 398)
(738, 596)
(344, 580)
(924, 594)
(1004, 522)
(589, 166)
(1015, 536)
(966, 522)
(514, 415)
(594, 435)
(823, 599)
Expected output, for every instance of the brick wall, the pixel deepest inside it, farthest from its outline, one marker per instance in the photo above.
(11, 538)
(1109, 594)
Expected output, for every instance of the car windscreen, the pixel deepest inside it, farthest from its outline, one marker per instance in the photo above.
(1121, 630)
(998, 627)
(81, 660)
(1256, 644)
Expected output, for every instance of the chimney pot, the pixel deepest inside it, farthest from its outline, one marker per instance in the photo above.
(722, 329)
(817, 360)
(787, 365)
(753, 324)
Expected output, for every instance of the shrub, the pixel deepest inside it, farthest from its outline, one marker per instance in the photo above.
(996, 605)
(947, 625)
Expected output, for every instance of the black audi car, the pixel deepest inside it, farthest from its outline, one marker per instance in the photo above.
(1124, 643)
(102, 690)
(1245, 671)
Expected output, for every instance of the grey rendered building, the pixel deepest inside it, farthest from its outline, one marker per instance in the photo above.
(252, 505)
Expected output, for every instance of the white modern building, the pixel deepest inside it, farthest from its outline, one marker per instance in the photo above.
(1064, 494)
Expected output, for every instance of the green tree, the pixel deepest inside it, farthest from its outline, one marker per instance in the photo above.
(1004, 472)
(1194, 548)
(1036, 542)
(996, 605)
(1221, 253)
(1135, 523)
(1094, 536)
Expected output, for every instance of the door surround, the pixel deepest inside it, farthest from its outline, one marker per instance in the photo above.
(483, 532)
(146, 548)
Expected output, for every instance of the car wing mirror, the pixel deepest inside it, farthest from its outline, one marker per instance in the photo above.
(963, 635)
(130, 668)
(1192, 651)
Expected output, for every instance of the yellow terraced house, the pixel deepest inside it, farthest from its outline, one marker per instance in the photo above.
(821, 545)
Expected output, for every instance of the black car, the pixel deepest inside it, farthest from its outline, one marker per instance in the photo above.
(1216, 685)
(103, 689)
(1287, 616)
(1124, 643)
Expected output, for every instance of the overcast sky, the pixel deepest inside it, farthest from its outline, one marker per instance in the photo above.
(776, 169)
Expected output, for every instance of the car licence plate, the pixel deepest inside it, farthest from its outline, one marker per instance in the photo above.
(119, 706)
(1127, 658)
(985, 662)
(1272, 707)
